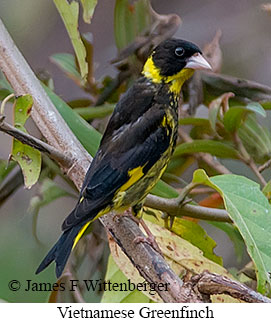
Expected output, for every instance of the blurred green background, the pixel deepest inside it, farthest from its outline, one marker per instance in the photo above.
(39, 32)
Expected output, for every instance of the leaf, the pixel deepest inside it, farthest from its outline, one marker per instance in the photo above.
(267, 190)
(194, 122)
(5, 169)
(27, 157)
(222, 102)
(215, 148)
(251, 212)
(86, 134)
(189, 231)
(256, 139)
(184, 258)
(235, 116)
(162, 189)
(49, 191)
(88, 9)
(66, 62)
(115, 276)
(130, 20)
(235, 237)
(90, 113)
(69, 13)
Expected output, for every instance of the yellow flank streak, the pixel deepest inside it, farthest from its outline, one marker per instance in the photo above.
(134, 174)
(79, 235)
(81, 199)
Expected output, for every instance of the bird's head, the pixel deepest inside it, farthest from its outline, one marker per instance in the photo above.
(174, 61)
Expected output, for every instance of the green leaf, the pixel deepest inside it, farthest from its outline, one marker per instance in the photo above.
(235, 116)
(90, 113)
(256, 139)
(235, 237)
(5, 169)
(215, 148)
(130, 20)
(27, 157)
(66, 62)
(251, 212)
(267, 190)
(195, 122)
(88, 9)
(48, 192)
(115, 276)
(191, 232)
(69, 13)
(162, 189)
(86, 134)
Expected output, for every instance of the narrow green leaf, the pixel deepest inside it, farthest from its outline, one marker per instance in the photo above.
(88, 9)
(90, 113)
(235, 116)
(162, 189)
(86, 134)
(130, 20)
(215, 148)
(66, 62)
(194, 122)
(256, 139)
(251, 213)
(49, 191)
(69, 13)
(5, 169)
(27, 157)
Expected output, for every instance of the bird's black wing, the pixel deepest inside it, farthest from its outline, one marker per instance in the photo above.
(135, 141)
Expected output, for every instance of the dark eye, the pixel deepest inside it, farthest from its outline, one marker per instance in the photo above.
(179, 51)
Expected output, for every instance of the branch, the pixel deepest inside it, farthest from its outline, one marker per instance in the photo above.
(172, 207)
(35, 143)
(210, 284)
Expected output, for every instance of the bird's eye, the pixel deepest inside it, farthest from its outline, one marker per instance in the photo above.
(179, 51)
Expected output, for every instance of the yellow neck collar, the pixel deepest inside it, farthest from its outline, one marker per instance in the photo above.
(152, 72)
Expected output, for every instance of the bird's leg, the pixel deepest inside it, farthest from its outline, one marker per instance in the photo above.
(137, 211)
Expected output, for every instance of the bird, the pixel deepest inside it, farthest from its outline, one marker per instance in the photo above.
(136, 147)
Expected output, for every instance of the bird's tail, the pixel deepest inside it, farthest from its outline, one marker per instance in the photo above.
(61, 250)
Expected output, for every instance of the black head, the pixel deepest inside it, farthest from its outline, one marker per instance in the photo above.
(172, 55)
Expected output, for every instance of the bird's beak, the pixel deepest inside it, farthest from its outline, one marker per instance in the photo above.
(198, 62)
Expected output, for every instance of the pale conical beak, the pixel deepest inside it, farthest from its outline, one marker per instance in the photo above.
(198, 62)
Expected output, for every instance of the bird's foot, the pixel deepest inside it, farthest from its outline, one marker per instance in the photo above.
(150, 239)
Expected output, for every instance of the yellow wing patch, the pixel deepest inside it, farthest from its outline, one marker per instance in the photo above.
(134, 174)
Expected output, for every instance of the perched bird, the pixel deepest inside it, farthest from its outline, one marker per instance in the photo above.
(136, 146)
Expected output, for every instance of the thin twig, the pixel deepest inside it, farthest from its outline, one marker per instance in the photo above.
(247, 158)
(3, 104)
(36, 143)
(264, 166)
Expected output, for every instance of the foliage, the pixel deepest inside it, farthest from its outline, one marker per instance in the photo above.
(231, 130)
